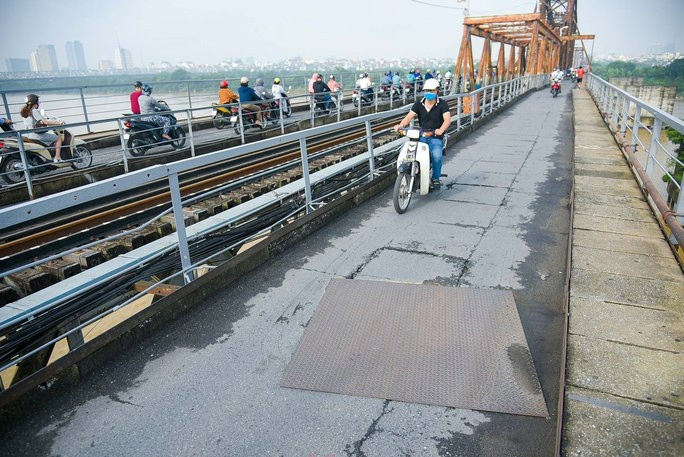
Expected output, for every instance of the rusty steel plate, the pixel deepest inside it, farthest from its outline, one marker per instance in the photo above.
(429, 344)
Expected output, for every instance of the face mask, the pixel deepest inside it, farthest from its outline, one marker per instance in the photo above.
(430, 96)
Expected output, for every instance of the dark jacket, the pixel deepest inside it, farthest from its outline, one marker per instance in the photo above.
(247, 94)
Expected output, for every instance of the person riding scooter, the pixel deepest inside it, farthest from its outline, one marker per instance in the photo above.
(247, 95)
(433, 114)
(33, 119)
(323, 99)
(280, 94)
(151, 107)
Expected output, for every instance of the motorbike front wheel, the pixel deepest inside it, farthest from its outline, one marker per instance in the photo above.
(12, 170)
(81, 157)
(178, 135)
(402, 192)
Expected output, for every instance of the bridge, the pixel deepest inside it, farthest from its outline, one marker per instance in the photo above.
(203, 307)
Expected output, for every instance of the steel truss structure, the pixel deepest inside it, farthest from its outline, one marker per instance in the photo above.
(538, 42)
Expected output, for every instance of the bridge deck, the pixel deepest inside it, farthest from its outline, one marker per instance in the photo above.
(625, 348)
(208, 383)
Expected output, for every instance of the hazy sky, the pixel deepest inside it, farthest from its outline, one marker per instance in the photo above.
(206, 31)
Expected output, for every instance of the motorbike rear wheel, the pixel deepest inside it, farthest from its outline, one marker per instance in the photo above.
(12, 170)
(137, 146)
(178, 135)
(81, 157)
(219, 121)
(402, 193)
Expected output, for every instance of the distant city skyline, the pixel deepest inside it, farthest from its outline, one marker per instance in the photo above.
(170, 30)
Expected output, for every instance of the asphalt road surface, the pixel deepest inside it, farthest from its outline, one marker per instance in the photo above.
(208, 383)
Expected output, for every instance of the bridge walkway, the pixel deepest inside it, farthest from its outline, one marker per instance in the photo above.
(208, 382)
(625, 367)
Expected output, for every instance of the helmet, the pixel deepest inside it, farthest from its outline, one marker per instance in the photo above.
(431, 84)
(259, 82)
(138, 84)
(147, 89)
(244, 80)
(224, 83)
(276, 81)
(332, 77)
(361, 75)
(31, 98)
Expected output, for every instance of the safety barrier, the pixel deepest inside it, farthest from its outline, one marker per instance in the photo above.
(626, 115)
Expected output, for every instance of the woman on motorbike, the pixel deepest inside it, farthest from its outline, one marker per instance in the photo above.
(280, 94)
(34, 119)
(150, 106)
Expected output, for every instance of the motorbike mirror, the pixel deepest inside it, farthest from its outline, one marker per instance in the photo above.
(289, 88)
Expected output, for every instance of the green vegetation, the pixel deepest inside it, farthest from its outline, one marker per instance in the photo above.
(670, 75)
(678, 171)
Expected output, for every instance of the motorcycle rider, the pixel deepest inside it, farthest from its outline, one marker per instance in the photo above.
(333, 84)
(248, 95)
(320, 88)
(433, 114)
(137, 92)
(34, 119)
(280, 94)
(226, 96)
(386, 80)
(148, 105)
(365, 86)
(557, 76)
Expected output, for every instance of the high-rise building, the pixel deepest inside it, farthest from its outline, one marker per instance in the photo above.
(44, 58)
(75, 56)
(105, 65)
(122, 59)
(17, 65)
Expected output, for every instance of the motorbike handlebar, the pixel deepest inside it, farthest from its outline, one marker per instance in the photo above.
(423, 132)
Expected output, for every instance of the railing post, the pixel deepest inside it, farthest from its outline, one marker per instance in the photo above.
(371, 158)
(391, 96)
(242, 124)
(305, 174)
(7, 108)
(339, 104)
(635, 128)
(459, 101)
(376, 95)
(25, 163)
(123, 145)
(190, 135)
(499, 100)
(189, 97)
(282, 115)
(177, 204)
(415, 90)
(625, 115)
(85, 111)
(359, 101)
(679, 206)
(655, 136)
(615, 109)
(312, 108)
(491, 102)
(473, 102)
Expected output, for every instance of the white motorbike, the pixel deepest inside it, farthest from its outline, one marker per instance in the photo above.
(414, 168)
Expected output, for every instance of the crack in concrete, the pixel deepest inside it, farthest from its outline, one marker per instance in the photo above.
(372, 429)
(363, 264)
(625, 397)
(115, 397)
(624, 343)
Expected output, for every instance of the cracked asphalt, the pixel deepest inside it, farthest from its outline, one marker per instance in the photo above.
(208, 383)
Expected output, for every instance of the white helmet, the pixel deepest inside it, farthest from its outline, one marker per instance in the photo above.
(244, 80)
(361, 75)
(431, 84)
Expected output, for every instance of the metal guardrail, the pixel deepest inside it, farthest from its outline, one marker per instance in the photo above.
(483, 102)
(626, 113)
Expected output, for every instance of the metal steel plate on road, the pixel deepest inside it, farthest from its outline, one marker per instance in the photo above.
(447, 346)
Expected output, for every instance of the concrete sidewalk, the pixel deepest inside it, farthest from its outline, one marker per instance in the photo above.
(625, 367)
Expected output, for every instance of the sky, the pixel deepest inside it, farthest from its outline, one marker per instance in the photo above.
(208, 31)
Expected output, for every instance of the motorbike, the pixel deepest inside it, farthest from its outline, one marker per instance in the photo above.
(141, 135)
(414, 168)
(287, 109)
(249, 118)
(75, 154)
(555, 87)
(409, 90)
(367, 98)
(319, 106)
(221, 116)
